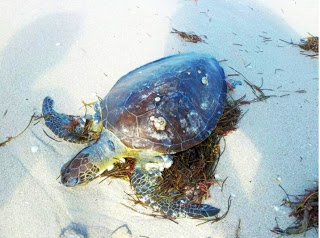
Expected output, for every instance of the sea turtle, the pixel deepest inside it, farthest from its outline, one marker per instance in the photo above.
(154, 111)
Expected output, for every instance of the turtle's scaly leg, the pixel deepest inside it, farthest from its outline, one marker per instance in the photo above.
(70, 128)
(145, 184)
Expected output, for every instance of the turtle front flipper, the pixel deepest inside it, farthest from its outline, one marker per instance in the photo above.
(70, 128)
(146, 182)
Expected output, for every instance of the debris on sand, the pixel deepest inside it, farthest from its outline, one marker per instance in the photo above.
(189, 37)
(122, 232)
(33, 118)
(311, 43)
(305, 211)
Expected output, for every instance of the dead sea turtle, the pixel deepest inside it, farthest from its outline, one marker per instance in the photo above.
(159, 109)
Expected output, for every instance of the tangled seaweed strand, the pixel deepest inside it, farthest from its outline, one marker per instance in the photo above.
(33, 118)
(189, 37)
(312, 43)
(305, 210)
(192, 172)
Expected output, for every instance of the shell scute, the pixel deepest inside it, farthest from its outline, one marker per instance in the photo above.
(145, 97)
(123, 121)
(142, 143)
(116, 98)
(168, 105)
(166, 84)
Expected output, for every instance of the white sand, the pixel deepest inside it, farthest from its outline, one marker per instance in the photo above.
(63, 49)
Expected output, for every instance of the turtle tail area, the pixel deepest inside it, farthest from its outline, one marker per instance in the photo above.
(67, 127)
(146, 184)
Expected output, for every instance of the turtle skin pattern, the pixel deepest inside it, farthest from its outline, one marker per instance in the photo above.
(64, 126)
(146, 185)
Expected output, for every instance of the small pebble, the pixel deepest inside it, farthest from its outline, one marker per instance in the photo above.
(58, 44)
(34, 149)
(278, 179)
(276, 208)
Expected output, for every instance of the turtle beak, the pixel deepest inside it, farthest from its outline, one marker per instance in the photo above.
(69, 182)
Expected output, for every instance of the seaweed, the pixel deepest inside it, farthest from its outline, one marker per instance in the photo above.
(192, 172)
(256, 90)
(189, 37)
(33, 118)
(311, 43)
(238, 229)
(121, 170)
(304, 210)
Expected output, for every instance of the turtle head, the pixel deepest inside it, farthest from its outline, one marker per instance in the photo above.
(79, 170)
(93, 160)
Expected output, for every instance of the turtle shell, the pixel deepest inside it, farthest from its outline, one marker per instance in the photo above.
(168, 105)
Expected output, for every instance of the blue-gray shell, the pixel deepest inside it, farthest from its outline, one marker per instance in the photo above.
(168, 105)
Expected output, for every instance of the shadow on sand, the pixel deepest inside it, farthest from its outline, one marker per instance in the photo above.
(31, 52)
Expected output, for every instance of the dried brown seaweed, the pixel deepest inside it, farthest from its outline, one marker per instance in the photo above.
(305, 211)
(256, 90)
(189, 37)
(238, 229)
(121, 170)
(33, 118)
(311, 43)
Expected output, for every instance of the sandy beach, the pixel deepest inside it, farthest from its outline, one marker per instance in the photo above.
(75, 50)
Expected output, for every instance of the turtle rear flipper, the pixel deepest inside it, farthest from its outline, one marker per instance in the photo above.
(146, 183)
(70, 128)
